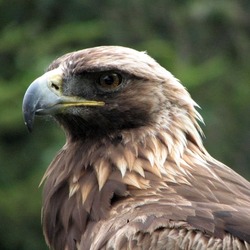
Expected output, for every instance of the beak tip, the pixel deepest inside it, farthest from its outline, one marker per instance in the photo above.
(29, 126)
(29, 120)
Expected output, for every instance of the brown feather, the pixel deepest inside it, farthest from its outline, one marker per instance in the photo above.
(136, 174)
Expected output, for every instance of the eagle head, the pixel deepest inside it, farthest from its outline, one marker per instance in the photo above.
(98, 91)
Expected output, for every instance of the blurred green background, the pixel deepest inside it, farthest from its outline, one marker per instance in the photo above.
(206, 44)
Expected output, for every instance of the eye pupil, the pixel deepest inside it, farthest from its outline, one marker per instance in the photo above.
(110, 80)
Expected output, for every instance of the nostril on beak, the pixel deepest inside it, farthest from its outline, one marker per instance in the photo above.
(54, 86)
(54, 80)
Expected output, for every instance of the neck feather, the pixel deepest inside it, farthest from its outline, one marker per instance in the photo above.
(85, 175)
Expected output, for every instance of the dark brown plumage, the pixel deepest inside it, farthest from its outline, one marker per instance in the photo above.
(133, 173)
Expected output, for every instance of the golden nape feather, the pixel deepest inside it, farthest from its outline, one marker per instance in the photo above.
(133, 173)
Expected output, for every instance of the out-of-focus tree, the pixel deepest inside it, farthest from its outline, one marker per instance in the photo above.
(204, 43)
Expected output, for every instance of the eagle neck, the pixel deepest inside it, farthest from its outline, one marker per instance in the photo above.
(86, 174)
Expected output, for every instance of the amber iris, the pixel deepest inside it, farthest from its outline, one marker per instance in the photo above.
(110, 80)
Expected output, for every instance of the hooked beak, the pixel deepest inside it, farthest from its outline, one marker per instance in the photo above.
(44, 97)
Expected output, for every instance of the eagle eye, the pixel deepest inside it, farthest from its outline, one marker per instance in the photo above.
(110, 80)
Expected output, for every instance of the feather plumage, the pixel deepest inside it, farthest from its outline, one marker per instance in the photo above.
(134, 173)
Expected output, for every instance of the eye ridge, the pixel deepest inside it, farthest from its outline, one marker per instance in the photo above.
(110, 80)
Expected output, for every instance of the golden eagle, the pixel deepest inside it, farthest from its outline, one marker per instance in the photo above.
(133, 173)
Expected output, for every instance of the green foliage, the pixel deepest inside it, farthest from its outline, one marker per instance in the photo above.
(203, 43)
